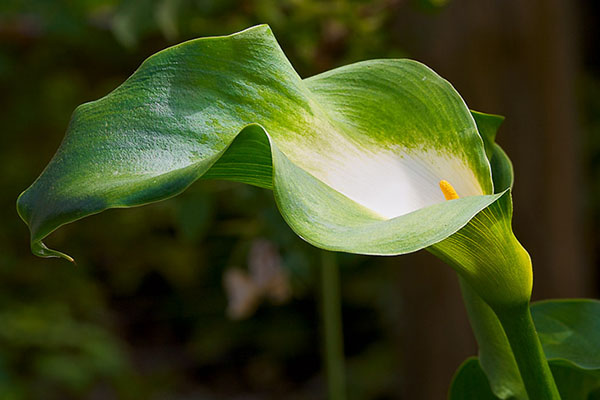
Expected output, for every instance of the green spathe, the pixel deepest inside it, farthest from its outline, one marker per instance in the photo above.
(488, 241)
(354, 156)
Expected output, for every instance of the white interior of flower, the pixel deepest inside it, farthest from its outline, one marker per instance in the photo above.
(393, 182)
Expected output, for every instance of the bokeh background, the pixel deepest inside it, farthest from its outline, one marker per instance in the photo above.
(163, 302)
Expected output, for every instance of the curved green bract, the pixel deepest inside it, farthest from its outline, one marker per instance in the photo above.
(331, 147)
(488, 255)
(502, 169)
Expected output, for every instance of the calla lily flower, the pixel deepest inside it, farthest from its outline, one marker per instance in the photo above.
(380, 157)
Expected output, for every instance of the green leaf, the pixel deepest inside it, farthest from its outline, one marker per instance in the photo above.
(570, 334)
(570, 331)
(470, 383)
(354, 156)
(574, 383)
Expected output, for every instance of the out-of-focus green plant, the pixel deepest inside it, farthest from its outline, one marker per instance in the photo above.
(68, 353)
(354, 157)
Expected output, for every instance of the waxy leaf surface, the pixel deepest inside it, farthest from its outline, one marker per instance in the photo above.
(570, 331)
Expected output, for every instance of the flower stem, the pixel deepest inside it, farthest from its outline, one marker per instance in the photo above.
(528, 352)
(332, 326)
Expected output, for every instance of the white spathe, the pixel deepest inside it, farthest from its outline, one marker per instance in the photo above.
(392, 183)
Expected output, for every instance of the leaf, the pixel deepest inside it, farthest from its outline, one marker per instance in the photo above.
(354, 156)
(574, 383)
(570, 331)
(470, 383)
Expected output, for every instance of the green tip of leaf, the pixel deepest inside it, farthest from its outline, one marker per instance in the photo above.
(39, 249)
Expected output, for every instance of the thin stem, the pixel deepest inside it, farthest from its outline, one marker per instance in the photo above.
(495, 355)
(332, 326)
(526, 347)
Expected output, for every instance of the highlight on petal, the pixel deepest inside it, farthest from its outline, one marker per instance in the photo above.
(394, 183)
(354, 156)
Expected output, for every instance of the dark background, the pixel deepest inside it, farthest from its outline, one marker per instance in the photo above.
(143, 314)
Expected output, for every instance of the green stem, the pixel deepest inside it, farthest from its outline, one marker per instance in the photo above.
(332, 326)
(495, 355)
(528, 352)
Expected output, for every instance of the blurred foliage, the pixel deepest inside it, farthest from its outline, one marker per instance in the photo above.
(143, 313)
